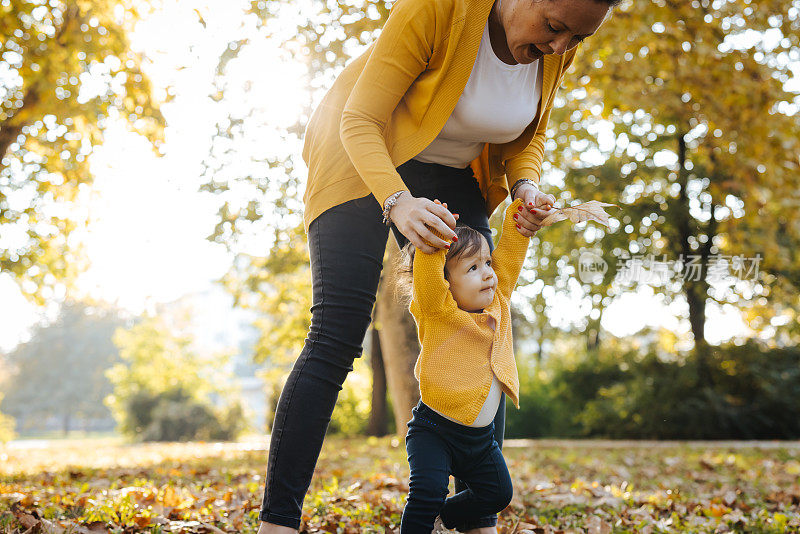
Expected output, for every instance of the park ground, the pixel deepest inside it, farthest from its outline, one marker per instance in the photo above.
(593, 487)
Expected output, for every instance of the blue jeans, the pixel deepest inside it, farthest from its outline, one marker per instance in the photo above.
(437, 448)
(346, 244)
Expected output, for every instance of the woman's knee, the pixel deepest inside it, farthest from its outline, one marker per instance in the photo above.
(338, 328)
(326, 361)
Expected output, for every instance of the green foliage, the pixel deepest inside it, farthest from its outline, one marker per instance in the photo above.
(159, 367)
(352, 409)
(754, 393)
(537, 416)
(176, 415)
(278, 286)
(68, 70)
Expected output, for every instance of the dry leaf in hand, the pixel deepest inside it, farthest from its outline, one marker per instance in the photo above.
(592, 210)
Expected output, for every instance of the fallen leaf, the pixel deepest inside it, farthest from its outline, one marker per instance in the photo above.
(206, 527)
(596, 525)
(95, 527)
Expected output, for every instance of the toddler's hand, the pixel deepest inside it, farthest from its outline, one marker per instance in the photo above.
(445, 205)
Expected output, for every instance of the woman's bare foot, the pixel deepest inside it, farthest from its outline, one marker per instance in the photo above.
(269, 528)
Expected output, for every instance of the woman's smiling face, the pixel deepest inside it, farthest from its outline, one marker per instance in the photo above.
(534, 28)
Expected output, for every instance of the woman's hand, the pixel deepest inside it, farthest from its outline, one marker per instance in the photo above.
(410, 215)
(536, 206)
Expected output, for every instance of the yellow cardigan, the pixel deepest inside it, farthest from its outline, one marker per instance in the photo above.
(391, 102)
(460, 350)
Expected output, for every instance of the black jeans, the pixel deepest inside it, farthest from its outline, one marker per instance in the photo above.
(346, 244)
(437, 448)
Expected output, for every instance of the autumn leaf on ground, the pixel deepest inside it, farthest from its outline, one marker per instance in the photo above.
(592, 210)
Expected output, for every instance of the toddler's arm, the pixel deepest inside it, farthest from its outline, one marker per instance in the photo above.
(431, 292)
(509, 255)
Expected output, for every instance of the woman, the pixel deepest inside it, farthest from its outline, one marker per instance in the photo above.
(450, 103)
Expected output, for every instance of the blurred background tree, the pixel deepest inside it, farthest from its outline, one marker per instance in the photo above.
(68, 71)
(59, 373)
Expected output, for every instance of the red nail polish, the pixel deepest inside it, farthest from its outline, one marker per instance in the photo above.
(455, 238)
(519, 208)
(447, 245)
(517, 226)
(515, 216)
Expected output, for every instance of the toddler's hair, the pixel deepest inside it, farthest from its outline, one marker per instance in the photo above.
(469, 243)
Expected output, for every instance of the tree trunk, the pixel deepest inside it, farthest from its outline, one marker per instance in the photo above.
(399, 344)
(593, 335)
(8, 134)
(694, 290)
(378, 422)
(540, 348)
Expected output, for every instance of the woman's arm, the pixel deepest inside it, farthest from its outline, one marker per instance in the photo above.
(400, 54)
(509, 255)
(528, 163)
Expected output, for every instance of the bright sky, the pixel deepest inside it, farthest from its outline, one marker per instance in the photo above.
(146, 241)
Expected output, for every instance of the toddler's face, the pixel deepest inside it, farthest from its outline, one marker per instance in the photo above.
(472, 279)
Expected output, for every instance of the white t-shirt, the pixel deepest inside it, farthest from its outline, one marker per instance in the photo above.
(498, 103)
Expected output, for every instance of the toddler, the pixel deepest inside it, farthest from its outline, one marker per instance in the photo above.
(460, 302)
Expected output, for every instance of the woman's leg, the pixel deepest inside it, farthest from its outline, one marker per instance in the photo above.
(346, 247)
(460, 190)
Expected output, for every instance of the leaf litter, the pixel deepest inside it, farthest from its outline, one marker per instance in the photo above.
(360, 485)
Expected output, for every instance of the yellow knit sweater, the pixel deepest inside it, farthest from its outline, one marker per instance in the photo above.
(391, 102)
(460, 350)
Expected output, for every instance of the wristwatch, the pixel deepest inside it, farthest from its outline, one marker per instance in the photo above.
(519, 183)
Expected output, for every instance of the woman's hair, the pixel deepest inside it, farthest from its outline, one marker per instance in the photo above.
(469, 243)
